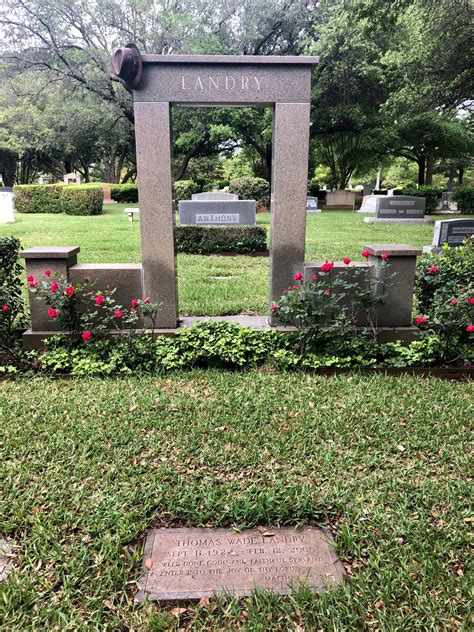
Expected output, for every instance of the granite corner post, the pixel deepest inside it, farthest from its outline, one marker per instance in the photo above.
(153, 139)
(288, 196)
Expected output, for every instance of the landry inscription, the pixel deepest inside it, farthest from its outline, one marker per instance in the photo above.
(220, 82)
(195, 563)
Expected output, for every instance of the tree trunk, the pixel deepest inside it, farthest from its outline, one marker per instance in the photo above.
(8, 171)
(421, 170)
(452, 170)
(430, 160)
(129, 175)
(460, 175)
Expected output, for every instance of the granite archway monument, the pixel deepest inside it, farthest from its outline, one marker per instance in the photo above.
(158, 82)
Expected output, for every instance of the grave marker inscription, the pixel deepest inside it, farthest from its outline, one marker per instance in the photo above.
(220, 212)
(452, 231)
(196, 563)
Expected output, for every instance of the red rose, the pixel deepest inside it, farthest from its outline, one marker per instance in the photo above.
(346, 260)
(99, 299)
(86, 335)
(275, 307)
(298, 276)
(54, 286)
(327, 266)
(471, 300)
(52, 313)
(146, 301)
(70, 291)
(453, 301)
(314, 276)
(47, 272)
(365, 253)
(118, 314)
(433, 270)
(420, 320)
(385, 256)
(30, 278)
(33, 283)
(134, 303)
(5, 308)
(470, 329)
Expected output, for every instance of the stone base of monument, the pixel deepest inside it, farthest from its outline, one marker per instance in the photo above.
(397, 220)
(189, 564)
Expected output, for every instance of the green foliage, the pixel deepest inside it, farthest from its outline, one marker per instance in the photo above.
(82, 200)
(464, 196)
(11, 301)
(48, 198)
(183, 189)
(248, 188)
(432, 195)
(206, 240)
(38, 198)
(124, 192)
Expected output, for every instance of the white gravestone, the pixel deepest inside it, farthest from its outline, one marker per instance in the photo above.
(6, 206)
(214, 195)
(312, 205)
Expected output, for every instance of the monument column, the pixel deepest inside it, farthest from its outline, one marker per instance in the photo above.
(153, 139)
(288, 196)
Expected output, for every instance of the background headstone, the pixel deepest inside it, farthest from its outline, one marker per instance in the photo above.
(6, 205)
(214, 195)
(72, 177)
(107, 195)
(340, 198)
(312, 205)
(452, 231)
(220, 213)
(400, 207)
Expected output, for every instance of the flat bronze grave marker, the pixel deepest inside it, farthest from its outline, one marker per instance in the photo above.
(196, 563)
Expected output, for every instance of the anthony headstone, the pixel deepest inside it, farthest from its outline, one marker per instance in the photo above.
(6, 205)
(197, 563)
(220, 213)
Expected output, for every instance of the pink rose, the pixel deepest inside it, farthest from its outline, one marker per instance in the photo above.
(33, 283)
(70, 291)
(470, 329)
(346, 260)
(118, 313)
(99, 299)
(47, 272)
(433, 270)
(385, 256)
(327, 266)
(30, 278)
(52, 313)
(365, 253)
(298, 276)
(134, 303)
(453, 301)
(5, 308)
(54, 286)
(275, 307)
(86, 336)
(146, 301)
(471, 300)
(420, 320)
(314, 277)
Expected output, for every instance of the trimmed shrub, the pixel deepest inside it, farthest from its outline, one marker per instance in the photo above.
(249, 188)
(38, 198)
(124, 192)
(464, 196)
(206, 240)
(183, 189)
(82, 200)
(432, 195)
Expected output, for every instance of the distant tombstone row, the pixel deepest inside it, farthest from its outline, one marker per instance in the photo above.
(6, 205)
(217, 209)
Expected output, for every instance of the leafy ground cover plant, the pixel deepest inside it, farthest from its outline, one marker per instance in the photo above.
(11, 301)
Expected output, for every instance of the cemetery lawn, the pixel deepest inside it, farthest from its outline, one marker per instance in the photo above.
(242, 283)
(89, 465)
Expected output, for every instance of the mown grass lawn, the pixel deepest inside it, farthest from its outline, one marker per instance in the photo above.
(88, 466)
(244, 289)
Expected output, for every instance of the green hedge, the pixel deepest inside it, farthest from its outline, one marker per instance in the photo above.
(38, 198)
(248, 188)
(11, 275)
(464, 196)
(58, 198)
(431, 194)
(82, 200)
(206, 240)
(124, 193)
(183, 189)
